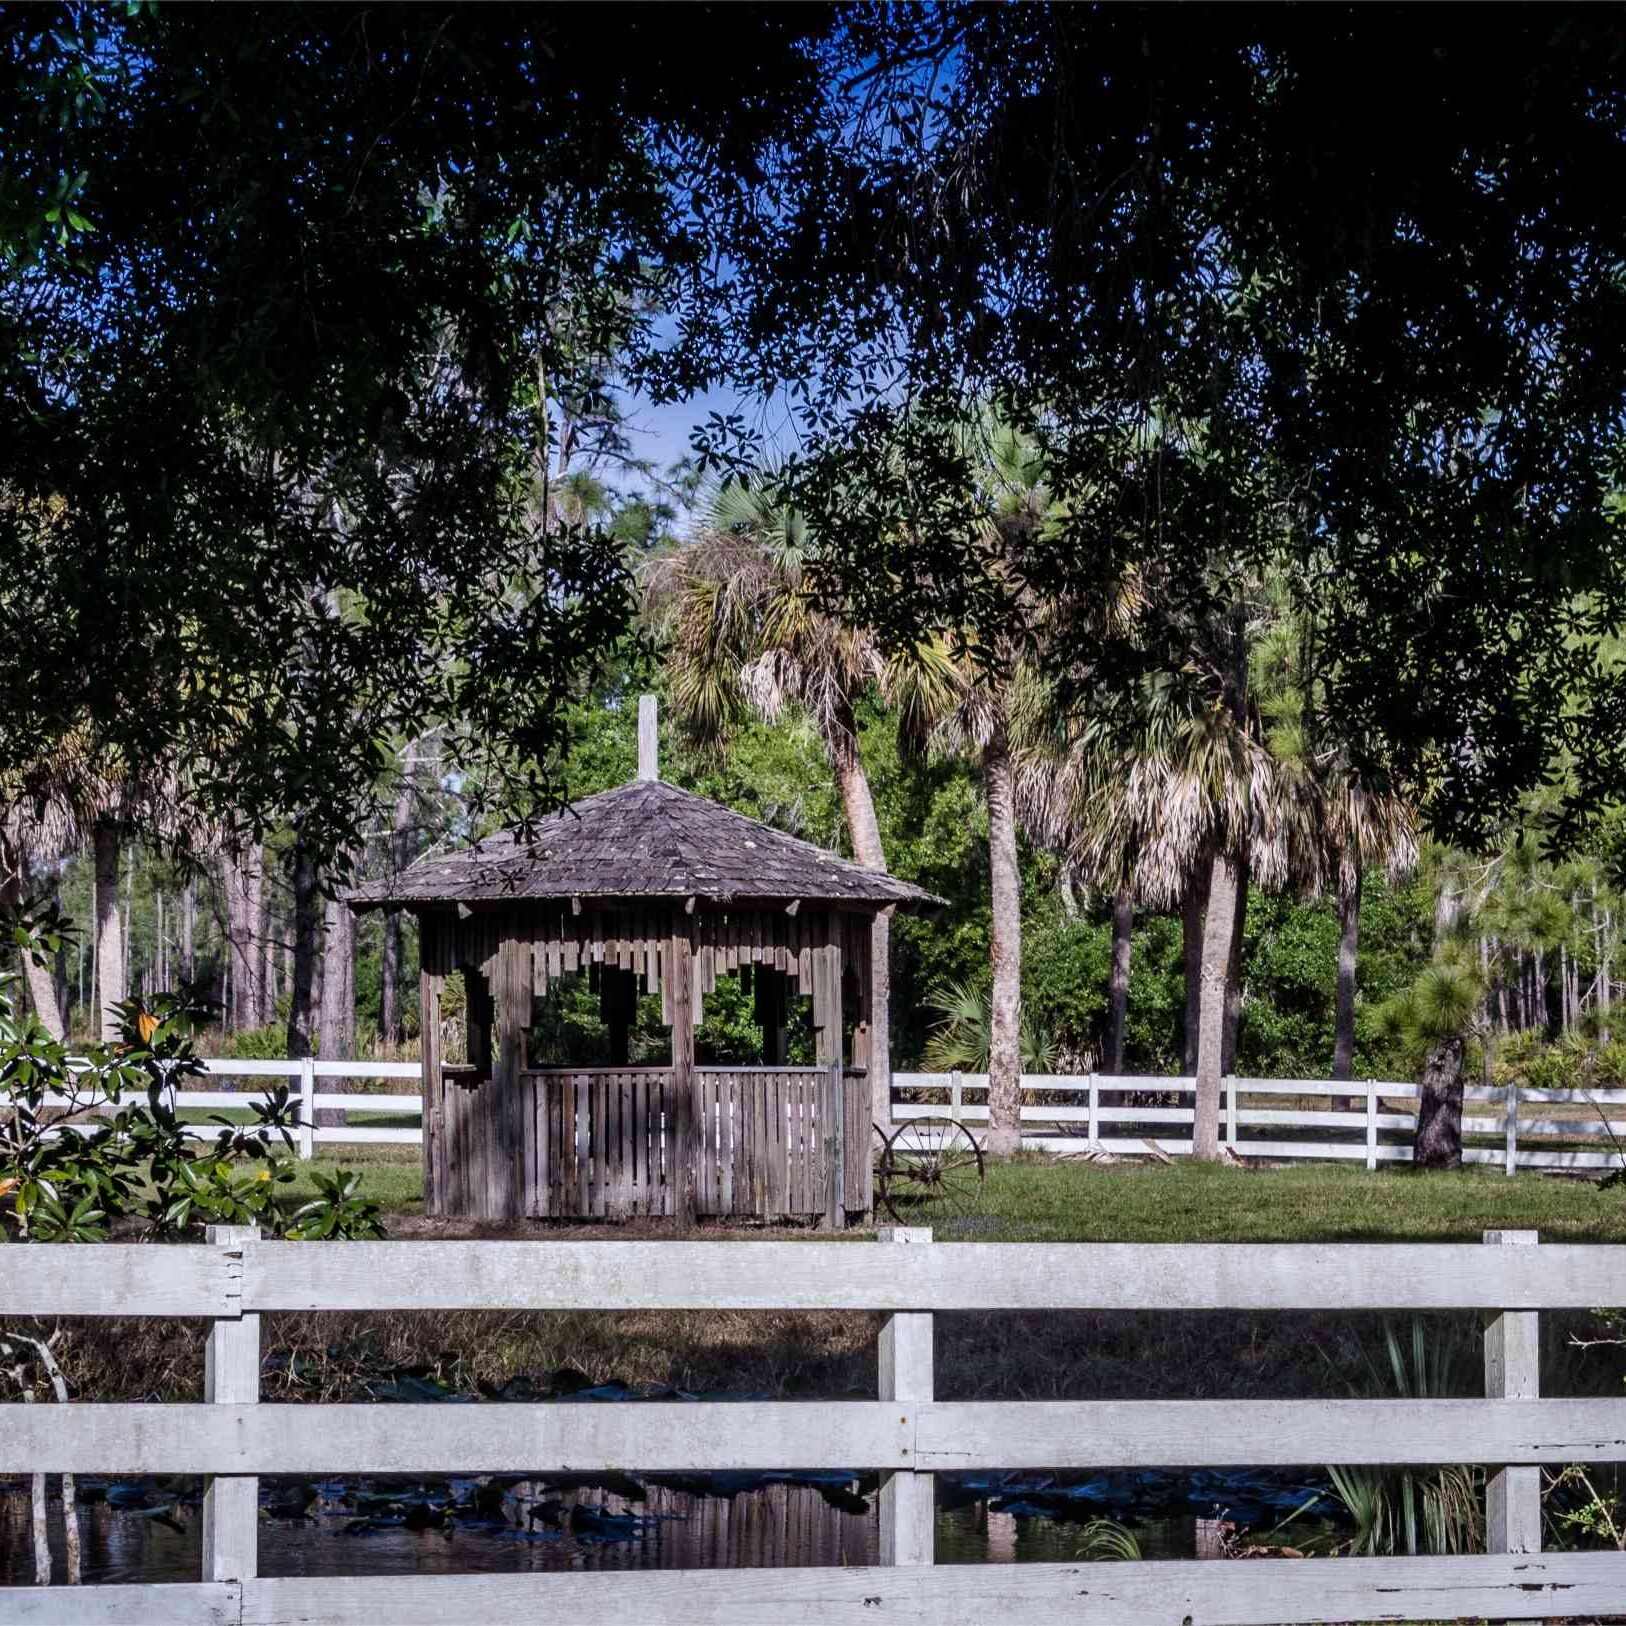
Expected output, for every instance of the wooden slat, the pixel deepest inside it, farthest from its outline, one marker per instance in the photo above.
(114, 1278)
(728, 1107)
(831, 1275)
(370, 1438)
(213, 1603)
(1496, 1587)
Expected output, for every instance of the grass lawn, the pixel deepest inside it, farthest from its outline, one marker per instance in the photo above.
(1038, 1199)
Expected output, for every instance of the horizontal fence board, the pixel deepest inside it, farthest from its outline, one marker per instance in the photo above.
(367, 1069)
(356, 1135)
(1517, 1586)
(109, 1278)
(661, 1436)
(959, 1276)
(1265, 1433)
(545, 1437)
(412, 1104)
(206, 1603)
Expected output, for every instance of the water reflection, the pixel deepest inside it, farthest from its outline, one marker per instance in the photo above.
(149, 1530)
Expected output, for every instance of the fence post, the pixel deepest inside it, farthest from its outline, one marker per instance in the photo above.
(908, 1500)
(307, 1108)
(956, 1095)
(231, 1376)
(1511, 1111)
(1230, 1113)
(1512, 1372)
(1371, 1124)
(1095, 1108)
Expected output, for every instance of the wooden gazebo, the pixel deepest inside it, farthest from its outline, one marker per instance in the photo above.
(650, 887)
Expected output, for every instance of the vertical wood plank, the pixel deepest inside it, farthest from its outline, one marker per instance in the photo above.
(686, 1159)
(832, 1147)
(231, 1376)
(1513, 1372)
(908, 1510)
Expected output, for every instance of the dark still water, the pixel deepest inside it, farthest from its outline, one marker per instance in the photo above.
(146, 1530)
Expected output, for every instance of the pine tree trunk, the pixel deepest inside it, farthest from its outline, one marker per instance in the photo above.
(109, 928)
(1193, 909)
(1233, 968)
(1218, 931)
(1123, 925)
(244, 876)
(1005, 1007)
(305, 995)
(1349, 937)
(864, 831)
(1437, 1143)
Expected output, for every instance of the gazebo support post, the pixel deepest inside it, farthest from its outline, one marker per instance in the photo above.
(828, 1046)
(678, 972)
(504, 1104)
(434, 1086)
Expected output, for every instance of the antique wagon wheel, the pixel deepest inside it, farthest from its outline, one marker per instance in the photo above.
(930, 1161)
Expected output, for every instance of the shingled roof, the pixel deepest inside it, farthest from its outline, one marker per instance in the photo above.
(645, 839)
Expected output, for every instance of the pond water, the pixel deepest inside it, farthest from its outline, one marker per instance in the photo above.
(150, 1530)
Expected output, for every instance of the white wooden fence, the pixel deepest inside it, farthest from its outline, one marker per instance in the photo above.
(1077, 1112)
(906, 1434)
(1068, 1113)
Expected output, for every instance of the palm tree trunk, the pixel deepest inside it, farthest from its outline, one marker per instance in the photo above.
(1219, 929)
(336, 1027)
(1193, 907)
(1233, 968)
(1437, 1142)
(1005, 1008)
(864, 831)
(1349, 935)
(109, 927)
(1123, 924)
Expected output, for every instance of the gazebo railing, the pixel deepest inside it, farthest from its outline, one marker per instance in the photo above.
(603, 1142)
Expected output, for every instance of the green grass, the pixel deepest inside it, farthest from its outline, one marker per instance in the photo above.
(1036, 1199)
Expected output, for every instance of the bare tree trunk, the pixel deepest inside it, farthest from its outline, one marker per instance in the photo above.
(1437, 1142)
(305, 995)
(1218, 931)
(864, 831)
(265, 973)
(337, 1031)
(1349, 936)
(389, 1003)
(1123, 925)
(40, 979)
(109, 928)
(1005, 1007)
(245, 885)
(1193, 908)
(189, 923)
(1233, 972)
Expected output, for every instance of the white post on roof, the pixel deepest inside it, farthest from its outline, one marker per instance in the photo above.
(649, 737)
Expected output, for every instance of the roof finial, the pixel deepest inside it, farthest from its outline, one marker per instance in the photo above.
(649, 737)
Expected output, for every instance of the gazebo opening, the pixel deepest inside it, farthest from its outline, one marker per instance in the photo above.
(654, 896)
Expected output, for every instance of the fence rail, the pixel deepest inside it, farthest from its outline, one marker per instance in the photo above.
(1375, 1132)
(1085, 1111)
(906, 1433)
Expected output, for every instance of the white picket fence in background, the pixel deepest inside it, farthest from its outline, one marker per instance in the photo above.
(1072, 1116)
(1259, 1117)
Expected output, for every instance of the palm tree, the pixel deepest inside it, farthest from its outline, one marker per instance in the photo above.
(744, 635)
